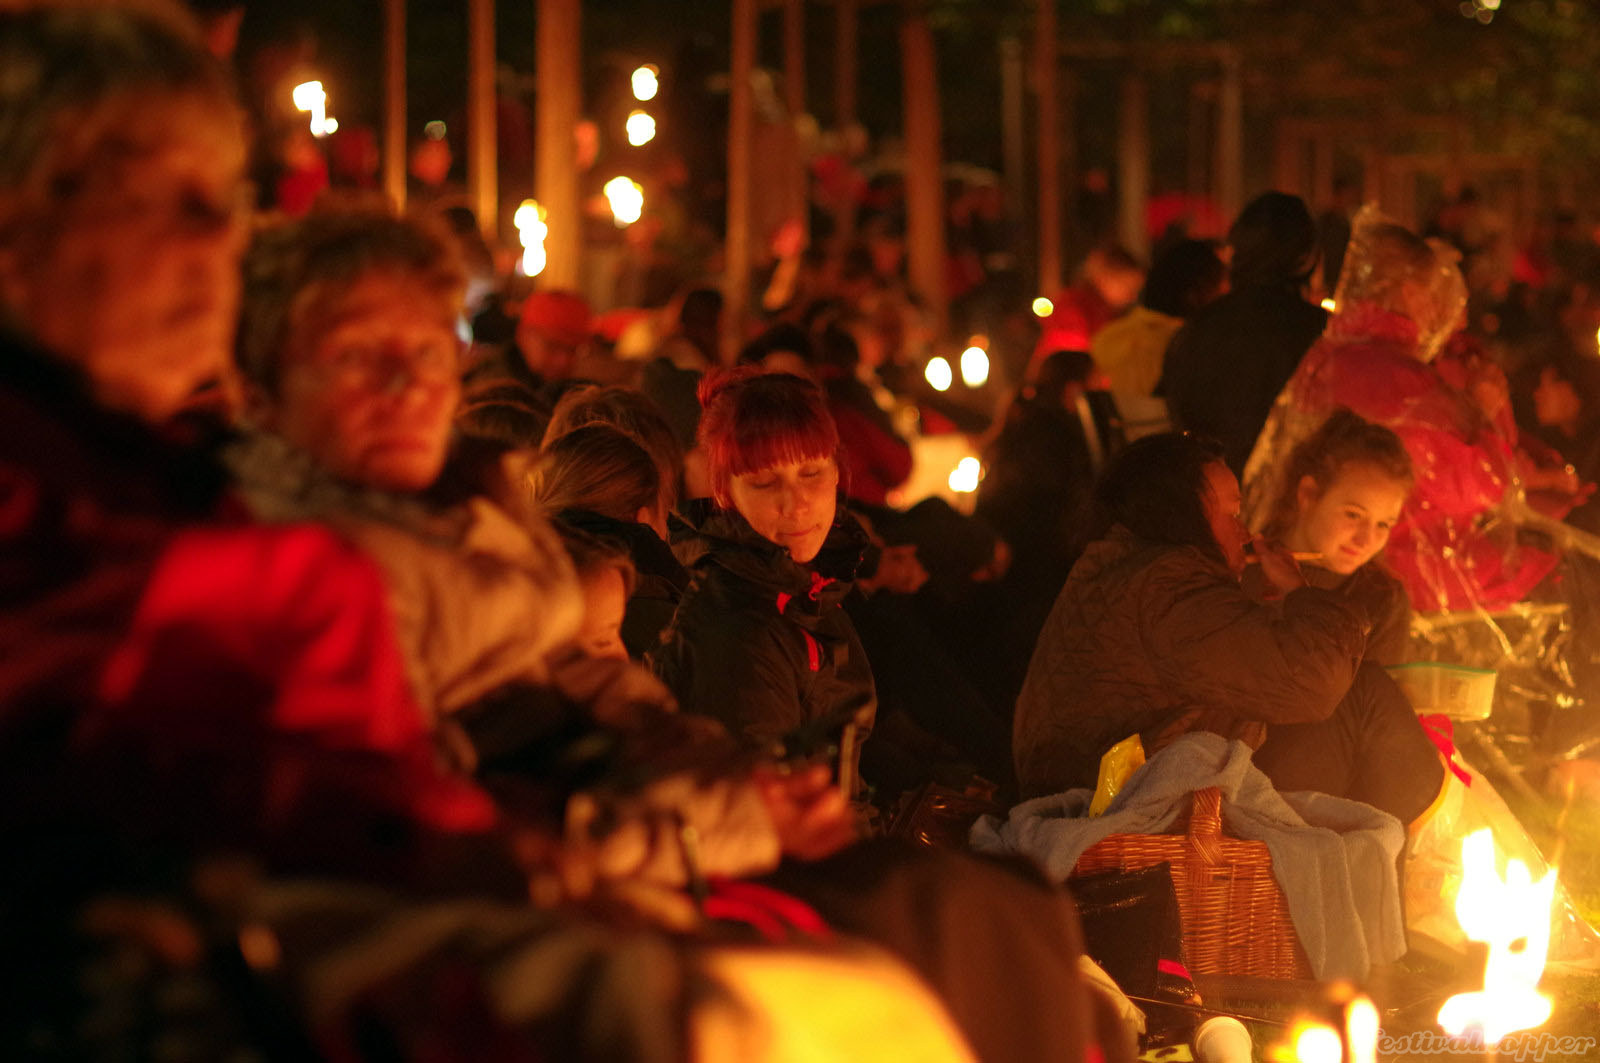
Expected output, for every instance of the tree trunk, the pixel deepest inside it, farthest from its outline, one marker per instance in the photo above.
(394, 101)
(557, 44)
(925, 240)
(483, 146)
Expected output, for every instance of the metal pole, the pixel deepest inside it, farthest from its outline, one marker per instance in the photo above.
(482, 156)
(394, 101)
(556, 181)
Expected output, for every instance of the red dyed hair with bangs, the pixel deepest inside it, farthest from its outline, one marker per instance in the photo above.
(753, 420)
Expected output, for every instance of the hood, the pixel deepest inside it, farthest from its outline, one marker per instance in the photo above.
(651, 556)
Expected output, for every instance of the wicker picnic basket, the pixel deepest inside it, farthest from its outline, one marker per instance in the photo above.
(1235, 921)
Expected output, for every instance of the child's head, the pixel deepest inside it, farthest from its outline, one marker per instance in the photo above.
(600, 469)
(1344, 491)
(607, 577)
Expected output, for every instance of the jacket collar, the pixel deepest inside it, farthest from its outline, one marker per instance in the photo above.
(722, 538)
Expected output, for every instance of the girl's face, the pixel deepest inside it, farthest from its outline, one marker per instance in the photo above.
(605, 603)
(1349, 522)
(1223, 503)
(790, 504)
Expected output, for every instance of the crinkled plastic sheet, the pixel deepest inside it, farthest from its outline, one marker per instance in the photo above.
(1534, 624)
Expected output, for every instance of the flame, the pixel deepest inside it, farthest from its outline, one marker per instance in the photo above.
(938, 374)
(974, 367)
(626, 198)
(1512, 916)
(1043, 307)
(965, 476)
(641, 128)
(531, 232)
(1316, 1042)
(1329, 305)
(309, 96)
(645, 83)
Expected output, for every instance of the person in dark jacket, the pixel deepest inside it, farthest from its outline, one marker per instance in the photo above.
(1225, 366)
(599, 481)
(1153, 636)
(760, 641)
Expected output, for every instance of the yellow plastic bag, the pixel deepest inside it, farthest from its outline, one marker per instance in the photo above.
(1119, 762)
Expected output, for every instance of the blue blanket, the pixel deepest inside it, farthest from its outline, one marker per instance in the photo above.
(1333, 858)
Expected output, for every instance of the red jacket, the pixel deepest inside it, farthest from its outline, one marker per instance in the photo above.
(171, 677)
(1440, 550)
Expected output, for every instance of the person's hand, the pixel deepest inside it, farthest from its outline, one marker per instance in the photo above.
(809, 813)
(673, 834)
(611, 689)
(1277, 565)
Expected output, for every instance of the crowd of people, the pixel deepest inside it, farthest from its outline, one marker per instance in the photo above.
(369, 693)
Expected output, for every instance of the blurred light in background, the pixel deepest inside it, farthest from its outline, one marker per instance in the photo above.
(645, 82)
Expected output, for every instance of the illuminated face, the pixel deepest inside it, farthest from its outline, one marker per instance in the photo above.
(1222, 503)
(545, 357)
(790, 504)
(605, 602)
(128, 268)
(1349, 522)
(368, 383)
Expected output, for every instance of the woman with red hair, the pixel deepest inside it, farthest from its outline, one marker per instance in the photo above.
(759, 641)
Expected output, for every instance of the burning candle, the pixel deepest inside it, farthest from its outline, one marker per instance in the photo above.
(1512, 916)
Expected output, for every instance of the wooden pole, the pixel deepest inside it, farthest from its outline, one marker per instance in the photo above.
(394, 101)
(482, 152)
(794, 98)
(1013, 133)
(924, 179)
(556, 183)
(1133, 163)
(1230, 136)
(794, 57)
(1046, 62)
(846, 15)
(736, 247)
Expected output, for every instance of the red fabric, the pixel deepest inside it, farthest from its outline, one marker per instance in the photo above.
(1442, 733)
(1079, 313)
(776, 915)
(874, 461)
(266, 657)
(1462, 465)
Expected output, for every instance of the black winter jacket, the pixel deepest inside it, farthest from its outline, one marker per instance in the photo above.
(761, 643)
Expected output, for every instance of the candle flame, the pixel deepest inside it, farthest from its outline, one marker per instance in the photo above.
(1512, 916)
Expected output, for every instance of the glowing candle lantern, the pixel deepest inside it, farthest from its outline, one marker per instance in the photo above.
(308, 96)
(974, 367)
(1512, 916)
(1329, 305)
(627, 200)
(965, 476)
(939, 374)
(646, 83)
(1043, 307)
(641, 128)
(1316, 1042)
(531, 232)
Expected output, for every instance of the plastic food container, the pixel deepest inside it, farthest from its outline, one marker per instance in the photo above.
(1456, 690)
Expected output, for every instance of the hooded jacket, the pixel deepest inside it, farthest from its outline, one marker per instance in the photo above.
(1157, 640)
(762, 644)
(660, 578)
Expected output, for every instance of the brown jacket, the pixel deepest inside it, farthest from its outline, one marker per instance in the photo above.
(1159, 640)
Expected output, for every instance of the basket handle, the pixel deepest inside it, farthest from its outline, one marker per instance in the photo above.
(1205, 825)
